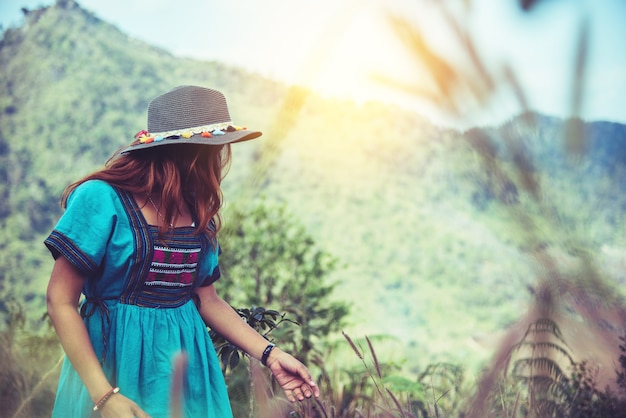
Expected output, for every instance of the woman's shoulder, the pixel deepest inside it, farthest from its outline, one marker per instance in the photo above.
(95, 187)
(97, 191)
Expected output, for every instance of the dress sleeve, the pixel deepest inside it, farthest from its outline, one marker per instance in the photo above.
(209, 280)
(84, 230)
(215, 273)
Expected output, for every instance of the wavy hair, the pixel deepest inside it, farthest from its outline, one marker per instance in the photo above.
(189, 173)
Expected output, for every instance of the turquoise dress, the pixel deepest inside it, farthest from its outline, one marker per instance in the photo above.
(138, 307)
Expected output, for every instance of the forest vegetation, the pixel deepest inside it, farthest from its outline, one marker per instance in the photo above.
(394, 255)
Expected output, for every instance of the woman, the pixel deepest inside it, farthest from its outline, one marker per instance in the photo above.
(138, 240)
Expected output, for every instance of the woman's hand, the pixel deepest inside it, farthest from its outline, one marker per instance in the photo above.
(292, 376)
(119, 406)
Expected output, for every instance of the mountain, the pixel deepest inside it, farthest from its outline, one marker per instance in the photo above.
(428, 222)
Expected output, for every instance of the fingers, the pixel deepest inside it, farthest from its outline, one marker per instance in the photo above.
(316, 389)
(305, 391)
(298, 394)
(290, 395)
(295, 395)
(310, 387)
(308, 392)
(294, 377)
(309, 383)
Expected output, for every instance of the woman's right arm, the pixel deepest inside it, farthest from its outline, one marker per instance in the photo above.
(62, 298)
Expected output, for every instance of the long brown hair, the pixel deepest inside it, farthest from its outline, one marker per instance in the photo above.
(183, 172)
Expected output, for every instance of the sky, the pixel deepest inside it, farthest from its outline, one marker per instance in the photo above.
(337, 47)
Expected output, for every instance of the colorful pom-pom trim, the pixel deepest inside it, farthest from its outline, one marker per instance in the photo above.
(145, 137)
(141, 133)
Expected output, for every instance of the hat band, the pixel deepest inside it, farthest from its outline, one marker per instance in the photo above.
(193, 131)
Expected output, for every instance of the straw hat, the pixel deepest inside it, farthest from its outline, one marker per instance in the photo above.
(189, 115)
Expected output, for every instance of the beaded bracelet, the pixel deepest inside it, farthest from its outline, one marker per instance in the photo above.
(266, 353)
(105, 398)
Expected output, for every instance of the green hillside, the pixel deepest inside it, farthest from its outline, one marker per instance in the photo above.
(433, 245)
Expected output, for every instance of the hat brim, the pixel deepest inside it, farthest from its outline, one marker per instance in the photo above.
(226, 138)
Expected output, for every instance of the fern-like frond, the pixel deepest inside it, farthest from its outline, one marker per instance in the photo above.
(545, 325)
(537, 366)
(545, 348)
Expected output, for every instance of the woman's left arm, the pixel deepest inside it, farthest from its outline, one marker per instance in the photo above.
(291, 374)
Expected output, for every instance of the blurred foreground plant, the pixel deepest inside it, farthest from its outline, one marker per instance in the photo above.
(30, 362)
(573, 297)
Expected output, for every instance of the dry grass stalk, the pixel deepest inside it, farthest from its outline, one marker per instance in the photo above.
(374, 358)
(23, 407)
(354, 347)
(176, 388)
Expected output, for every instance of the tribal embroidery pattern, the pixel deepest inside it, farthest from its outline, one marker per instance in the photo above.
(173, 267)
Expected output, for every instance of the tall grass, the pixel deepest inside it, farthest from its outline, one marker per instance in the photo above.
(30, 361)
